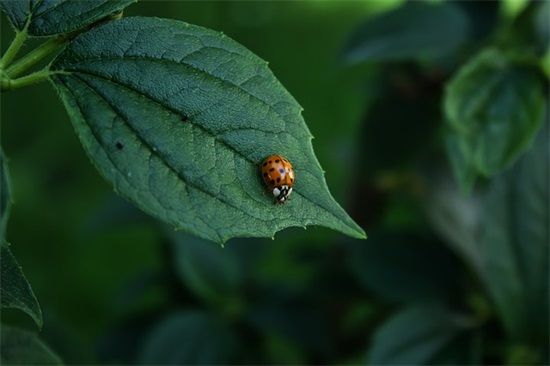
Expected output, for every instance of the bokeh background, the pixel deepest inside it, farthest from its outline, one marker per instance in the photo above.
(116, 286)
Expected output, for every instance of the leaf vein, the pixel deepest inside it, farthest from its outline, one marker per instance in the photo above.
(156, 151)
(73, 68)
(93, 132)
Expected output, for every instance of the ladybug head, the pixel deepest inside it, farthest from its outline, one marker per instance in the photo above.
(281, 193)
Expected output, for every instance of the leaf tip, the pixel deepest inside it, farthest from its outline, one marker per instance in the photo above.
(359, 233)
(38, 320)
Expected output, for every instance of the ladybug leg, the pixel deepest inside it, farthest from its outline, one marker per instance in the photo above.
(278, 202)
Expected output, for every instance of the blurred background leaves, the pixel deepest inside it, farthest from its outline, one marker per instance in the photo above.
(20, 347)
(416, 30)
(444, 278)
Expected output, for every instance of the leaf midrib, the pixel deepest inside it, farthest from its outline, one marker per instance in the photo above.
(177, 112)
(156, 150)
(33, 12)
(283, 118)
(73, 67)
(312, 219)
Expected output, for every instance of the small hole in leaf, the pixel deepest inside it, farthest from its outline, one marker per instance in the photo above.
(119, 145)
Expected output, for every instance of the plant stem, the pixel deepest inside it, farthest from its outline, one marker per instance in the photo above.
(35, 55)
(36, 77)
(15, 46)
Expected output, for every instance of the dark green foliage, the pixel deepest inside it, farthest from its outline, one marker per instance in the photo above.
(416, 30)
(20, 347)
(515, 250)
(406, 267)
(433, 129)
(415, 335)
(189, 337)
(5, 196)
(414, 139)
(214, 276)
(494, 109)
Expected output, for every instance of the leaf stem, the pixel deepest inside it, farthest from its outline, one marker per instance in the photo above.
(13, 49)
(35, 55)
(7, 83)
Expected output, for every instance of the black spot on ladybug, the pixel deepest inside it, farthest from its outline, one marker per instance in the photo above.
(277, 160)
(272, 182)
(292, 180)
(278, 180)
(265, 163)
(270, 162)
(281, 170)
(272, 169)
(265, 174)
(119, 145)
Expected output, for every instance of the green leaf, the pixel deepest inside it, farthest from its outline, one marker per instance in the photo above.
(512, 8)
(211, 272)
(54, 16)
(189, 337)
(5, 196)
(20, 347)
(494, 109)
(415, 335)
(515, 246)
(176, 117)
(17, 12)
(416, 30)
(15, 291)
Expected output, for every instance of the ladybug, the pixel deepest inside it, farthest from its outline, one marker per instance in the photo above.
(278, 175)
